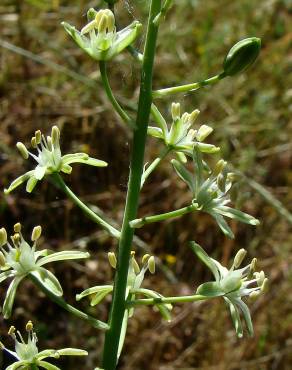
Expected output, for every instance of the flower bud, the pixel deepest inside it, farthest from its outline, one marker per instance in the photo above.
(151, 264)
(36, 233)
(239, 257)
(241, 56)
(3, 236)
(175, 111)
(22, 149)
(112, 259)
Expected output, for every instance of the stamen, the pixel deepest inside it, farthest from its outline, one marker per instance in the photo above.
(3, 236)
(36, 233)
(112, 259)
(22, 149)
(151, 264)
(17, 227)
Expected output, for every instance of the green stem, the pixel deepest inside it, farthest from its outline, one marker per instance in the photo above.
(89, 213)
(104, 77)
(186, 88)
(166, 300)
(153, 165)
(139, 222)
(66, 306)
(112, 337)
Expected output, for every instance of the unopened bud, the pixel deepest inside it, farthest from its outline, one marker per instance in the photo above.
(36, 233)
(29, 326)
(241, 56)
(3, 236)
(112, 259)
(239, 257)
(203, 132)
(175, 111)
(55, 135)
(38, 136)
(17, 227)
(151, 264)
(22, 150)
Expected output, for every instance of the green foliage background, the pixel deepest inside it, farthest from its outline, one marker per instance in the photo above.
(49, 81)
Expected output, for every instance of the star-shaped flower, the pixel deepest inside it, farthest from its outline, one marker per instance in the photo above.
(49, 159)
(134, 282)
(27, 353)
(104, 42)
(181, 137)
(210, 191)
(20, 259)
(233, 285)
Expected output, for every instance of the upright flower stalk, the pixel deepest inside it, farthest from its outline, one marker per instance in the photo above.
(112, 337)
(209, 188)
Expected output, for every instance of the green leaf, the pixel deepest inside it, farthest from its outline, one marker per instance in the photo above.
(210, 289)
(10, 296)
(62, 256)
(203, 256)
(48, 280)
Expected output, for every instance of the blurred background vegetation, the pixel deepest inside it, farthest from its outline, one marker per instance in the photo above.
(46, 80)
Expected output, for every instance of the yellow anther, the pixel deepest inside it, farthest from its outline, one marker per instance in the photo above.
(22, 150)
(151, 264)
(239, 257)
(33, 142)
(3, 236)
(102, 25)
(17, 227)
(219, 167)
(38, 136)
(175, 111)
(36, 233)
(29, 326)
(193, 116)
(145, 258)
(2, 260)
(203, 132)
(55, 135)
(11, 331)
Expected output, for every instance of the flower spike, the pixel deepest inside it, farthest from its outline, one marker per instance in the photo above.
(49, 160)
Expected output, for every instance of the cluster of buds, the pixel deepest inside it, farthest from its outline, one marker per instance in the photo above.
(180, 137)
(211, 193)
(27, 355)
(233, 285)
(20, 260)
(49, 159)
(104, 42)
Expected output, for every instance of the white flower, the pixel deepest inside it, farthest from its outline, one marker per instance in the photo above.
(20, 260)
(27, 353)
(233, 285)
(104, 42)
(49, 159)
(181, 137)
